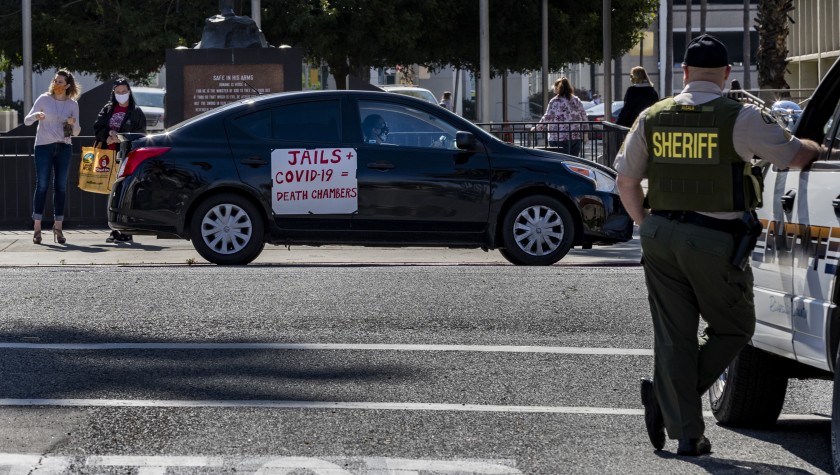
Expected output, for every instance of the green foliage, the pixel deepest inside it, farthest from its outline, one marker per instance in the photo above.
(108, 38)
(130, 38)
(353, 35)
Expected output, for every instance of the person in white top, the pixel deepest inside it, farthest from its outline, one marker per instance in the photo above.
(56, 112)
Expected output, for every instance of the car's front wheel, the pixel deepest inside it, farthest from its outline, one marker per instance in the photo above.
(750, 392)
(537, 231)
(227, 230)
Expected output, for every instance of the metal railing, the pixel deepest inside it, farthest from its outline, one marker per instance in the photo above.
(601, 140)
(17, 179)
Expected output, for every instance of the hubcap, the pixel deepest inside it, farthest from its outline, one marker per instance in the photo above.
(538, 230)
(716, 391)
(226, 228)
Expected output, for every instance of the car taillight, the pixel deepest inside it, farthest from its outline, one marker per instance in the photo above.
(136, 157)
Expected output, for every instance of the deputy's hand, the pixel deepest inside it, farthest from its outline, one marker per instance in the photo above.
(71, 120)
(40, 116)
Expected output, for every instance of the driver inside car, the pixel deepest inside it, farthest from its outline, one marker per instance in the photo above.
(375, 129)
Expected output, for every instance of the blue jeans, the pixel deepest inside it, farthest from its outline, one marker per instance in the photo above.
(55, 158)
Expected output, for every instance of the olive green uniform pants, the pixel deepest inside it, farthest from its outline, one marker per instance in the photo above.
(688, 275)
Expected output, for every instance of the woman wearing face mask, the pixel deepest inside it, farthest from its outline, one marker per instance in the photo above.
(55, 111)
(120, 115)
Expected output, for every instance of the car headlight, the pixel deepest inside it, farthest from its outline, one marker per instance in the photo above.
(602, 181)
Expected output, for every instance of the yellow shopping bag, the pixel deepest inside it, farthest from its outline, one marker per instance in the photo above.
(97, 170)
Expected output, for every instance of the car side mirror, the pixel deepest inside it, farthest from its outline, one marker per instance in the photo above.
(465, 140)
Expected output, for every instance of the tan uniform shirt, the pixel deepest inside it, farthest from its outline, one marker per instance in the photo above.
(756, 135)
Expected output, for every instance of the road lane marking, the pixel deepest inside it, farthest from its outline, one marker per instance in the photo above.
(375, 406)
(566, 350)
(284, 404)
(23, 464)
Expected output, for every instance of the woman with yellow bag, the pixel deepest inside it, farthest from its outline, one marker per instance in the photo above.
(120, 115)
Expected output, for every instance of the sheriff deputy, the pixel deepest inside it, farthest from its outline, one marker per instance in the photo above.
(695, 149)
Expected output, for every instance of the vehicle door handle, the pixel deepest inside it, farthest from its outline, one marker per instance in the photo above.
(380, 165)
(254, 161)
(787, 201)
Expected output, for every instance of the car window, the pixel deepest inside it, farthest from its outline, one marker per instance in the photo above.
(257, 124)
(407, 126)
(835, 140)
(317, 121)
(150, 99)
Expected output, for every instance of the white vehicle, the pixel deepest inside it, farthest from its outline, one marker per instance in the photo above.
(413, 91)
(151, 101)
(795, 264)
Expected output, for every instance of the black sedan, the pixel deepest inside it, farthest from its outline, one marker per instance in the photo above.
(363, 168)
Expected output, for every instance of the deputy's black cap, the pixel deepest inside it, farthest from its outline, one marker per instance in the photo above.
(706, 51)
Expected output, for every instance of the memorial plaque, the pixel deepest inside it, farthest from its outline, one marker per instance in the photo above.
(207, 86)
(198, 80)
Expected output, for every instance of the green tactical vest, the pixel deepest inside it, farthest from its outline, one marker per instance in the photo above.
(692, 164)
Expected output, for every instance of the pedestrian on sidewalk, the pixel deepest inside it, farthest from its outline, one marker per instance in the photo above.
(56, 112)
(120, 115)
(700, 200)
(564, 115)
(637, 98)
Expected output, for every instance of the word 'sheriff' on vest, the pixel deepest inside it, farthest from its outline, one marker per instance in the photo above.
(692, 164)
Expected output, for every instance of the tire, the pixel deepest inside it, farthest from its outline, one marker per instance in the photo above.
(835, 418)
(749, 393)
(537, 231)
(227, 230)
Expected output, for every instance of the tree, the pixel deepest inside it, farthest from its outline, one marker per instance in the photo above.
(574, 34)
(129, 38)
(351, 36)
(771, 23)
(354, 35)
(105, 37)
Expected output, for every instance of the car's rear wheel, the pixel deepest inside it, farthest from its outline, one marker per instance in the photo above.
(537, 231)
(227, 230)
(750, 393)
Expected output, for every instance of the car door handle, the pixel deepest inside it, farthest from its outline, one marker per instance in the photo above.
(380, 165)
(254, 161)
(787, 200)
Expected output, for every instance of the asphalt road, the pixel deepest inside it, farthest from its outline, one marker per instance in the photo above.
(350, 369)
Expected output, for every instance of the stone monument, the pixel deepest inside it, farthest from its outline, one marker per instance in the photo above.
(229, 30)
(232, 61)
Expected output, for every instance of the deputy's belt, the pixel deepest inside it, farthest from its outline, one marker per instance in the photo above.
(731, 226)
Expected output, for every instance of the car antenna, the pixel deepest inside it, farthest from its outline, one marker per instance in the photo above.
(254, 89)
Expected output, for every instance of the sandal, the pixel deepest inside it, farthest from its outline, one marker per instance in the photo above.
(58, 236)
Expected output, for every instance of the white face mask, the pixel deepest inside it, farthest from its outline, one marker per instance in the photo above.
(122, 98)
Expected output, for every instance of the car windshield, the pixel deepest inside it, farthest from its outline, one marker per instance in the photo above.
(150, 99)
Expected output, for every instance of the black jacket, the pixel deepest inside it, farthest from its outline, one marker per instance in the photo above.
(636, 99)
(134, 121)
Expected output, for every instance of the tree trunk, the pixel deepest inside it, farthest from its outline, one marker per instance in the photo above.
(339, 70)
(773, 30)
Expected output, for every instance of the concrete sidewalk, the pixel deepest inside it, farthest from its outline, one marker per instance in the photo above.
(88, 247)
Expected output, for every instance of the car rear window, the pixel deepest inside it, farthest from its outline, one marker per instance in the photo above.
(317, 121)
